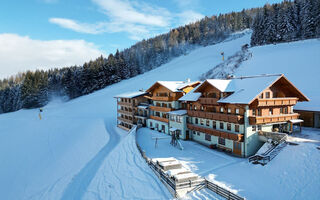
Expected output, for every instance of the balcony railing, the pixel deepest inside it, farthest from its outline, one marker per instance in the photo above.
(159, 119)
(278, 101)
(208, 101)
(210, 131)
(160, 109)
(122, 103)
(125, 112)
(155, 98)
(237, 119)
(272, 118)
(130, 121)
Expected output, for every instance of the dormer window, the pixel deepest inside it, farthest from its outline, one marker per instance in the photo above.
(221, 109)
(261, 96)
(267, 95)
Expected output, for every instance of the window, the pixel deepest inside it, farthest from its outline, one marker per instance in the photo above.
(198, 133)
(222, 141)
(208, 137)
(281, 110)
(236, 128)
(228, 126)
(214, 95)
(179, 119)
(195, 107)
(261, 96)
(201, 121)
(267, 95)
(193, 132)
(190, 108)
(259, 128)
(202, 108)
(237, 111)
(214, 124)
(253, 112)
(286, 110)
(207, 123)
(221, 125)
(259, 112)
(270, 111)
(221, 109)
(150, 124)
(214, 109)
(171, 117)
(196, 121)
(229, 110)
(254, 128)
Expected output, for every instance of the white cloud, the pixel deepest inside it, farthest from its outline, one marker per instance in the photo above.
(76, 26)
(138, 19)
(21, 53)
(189, 16)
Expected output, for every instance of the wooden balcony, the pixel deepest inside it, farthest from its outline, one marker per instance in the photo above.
(155, 98)
(272, 118)
(208, 101)
(237, 119)
(160, 109)
(125, 112)
(278, 101)
(161, 119)
(125, 104)
(130, 121)
(210, 131)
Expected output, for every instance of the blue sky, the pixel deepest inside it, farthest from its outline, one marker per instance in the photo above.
(69, 28)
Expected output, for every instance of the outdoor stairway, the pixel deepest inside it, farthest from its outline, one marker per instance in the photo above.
(268, 155)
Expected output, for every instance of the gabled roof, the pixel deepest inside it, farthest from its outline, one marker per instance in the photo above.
(248, 89)
(221, 84)
(131, 94)
(174, 86)
(192, 95)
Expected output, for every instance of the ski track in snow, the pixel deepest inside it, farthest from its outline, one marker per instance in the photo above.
(78, 187)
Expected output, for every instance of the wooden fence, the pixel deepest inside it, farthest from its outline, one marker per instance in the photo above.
(173, 187)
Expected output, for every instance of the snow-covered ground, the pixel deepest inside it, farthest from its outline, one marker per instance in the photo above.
(76, 151)
(293, 174)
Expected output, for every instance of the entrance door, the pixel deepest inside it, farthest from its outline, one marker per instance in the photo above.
(187, 135)
(164, 128)
(237, 148)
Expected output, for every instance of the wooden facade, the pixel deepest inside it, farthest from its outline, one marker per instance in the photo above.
(128, 112)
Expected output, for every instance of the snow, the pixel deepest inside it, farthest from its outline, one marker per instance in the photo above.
(72, 152)
(292, 174)
(247, 89)
(178, 112)
(131, 94)
(191, 96)
(222, 85)
(172, 85)
(298, 61)
(77, 152)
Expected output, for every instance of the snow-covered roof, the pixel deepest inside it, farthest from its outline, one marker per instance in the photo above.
(186, 84)
(143, 106)
(192, 95)
(178, 112)
(131, 94)
(221, 84)
(172, 85)
(248, 88)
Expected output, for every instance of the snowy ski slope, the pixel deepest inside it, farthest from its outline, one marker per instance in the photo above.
(76, 151)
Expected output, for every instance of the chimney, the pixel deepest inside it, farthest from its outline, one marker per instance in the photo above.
(188, 80)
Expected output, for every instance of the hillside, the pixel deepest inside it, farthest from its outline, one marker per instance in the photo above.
(72, 145)
(77, 152)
